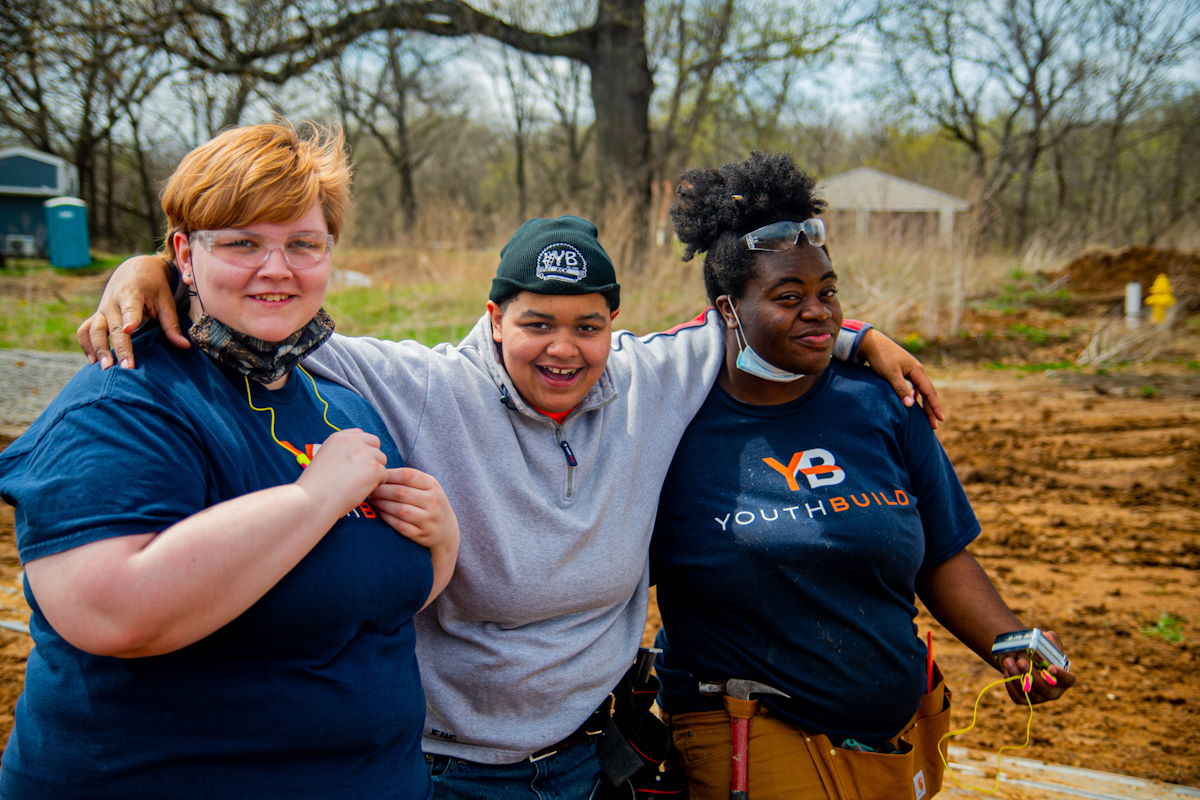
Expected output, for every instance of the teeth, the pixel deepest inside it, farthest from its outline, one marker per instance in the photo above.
(271, 297)
(562, 370)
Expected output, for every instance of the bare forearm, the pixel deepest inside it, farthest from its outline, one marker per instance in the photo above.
(152, 594)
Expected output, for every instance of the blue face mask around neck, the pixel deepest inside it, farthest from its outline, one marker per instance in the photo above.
(752, 363)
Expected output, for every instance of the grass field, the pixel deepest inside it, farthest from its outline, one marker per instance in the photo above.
(436, 294)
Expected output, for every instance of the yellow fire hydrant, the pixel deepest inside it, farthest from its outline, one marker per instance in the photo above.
(1160, 299)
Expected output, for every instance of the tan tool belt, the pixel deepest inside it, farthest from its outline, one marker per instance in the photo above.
(913, 774)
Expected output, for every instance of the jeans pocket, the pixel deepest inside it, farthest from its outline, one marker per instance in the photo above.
(437, 765)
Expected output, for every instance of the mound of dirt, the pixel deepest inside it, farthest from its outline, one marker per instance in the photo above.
(1105, 272)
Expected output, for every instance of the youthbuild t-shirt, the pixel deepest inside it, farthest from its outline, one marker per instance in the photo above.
(786, 549)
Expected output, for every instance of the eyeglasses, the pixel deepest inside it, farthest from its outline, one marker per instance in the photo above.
(251, 251)
(780, 236)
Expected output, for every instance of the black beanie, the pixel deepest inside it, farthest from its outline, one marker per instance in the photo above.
(555, 256)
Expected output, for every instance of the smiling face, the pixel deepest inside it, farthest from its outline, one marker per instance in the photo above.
(554, 347)
(270, 302)
(790, 315)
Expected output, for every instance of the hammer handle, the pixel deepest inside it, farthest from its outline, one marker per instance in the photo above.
(739, 779)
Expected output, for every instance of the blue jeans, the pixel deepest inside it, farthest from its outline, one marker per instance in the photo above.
(570, 774)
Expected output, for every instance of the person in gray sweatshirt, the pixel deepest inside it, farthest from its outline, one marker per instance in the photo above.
(551, 435)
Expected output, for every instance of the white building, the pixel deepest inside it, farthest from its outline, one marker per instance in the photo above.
(867, 201)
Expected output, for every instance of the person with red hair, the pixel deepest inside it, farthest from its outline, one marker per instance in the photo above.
(223, 553)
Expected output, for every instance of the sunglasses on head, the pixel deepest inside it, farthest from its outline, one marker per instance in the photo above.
(780, 236)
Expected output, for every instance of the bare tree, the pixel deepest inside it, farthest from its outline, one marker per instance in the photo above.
(564, 83)
(1002, 77)
(1144, 39)
(709, 56)
(1054, 99)
(145, 183)
(612, 46)
(389, 87)
(516, 72)
(72, 75)
(551, 130)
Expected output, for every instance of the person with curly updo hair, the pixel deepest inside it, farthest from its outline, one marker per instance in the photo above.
(805, 510)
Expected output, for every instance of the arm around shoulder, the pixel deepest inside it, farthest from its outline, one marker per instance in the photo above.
(139, 288)
(903, 371)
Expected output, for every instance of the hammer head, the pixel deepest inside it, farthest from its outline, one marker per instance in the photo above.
(739, 688)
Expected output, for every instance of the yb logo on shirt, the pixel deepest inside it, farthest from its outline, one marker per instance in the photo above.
(818, 467)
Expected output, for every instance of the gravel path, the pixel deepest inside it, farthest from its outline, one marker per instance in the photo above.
(30, 380)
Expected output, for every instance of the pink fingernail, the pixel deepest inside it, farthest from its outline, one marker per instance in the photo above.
(1048, 678)
(1027, 683)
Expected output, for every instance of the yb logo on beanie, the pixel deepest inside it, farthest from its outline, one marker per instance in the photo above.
(561, 262)
(555, 256)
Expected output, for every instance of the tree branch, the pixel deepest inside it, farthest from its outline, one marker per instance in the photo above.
(317, 43)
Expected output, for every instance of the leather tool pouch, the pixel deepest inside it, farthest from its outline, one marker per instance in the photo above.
(635, 749)
(912, 774)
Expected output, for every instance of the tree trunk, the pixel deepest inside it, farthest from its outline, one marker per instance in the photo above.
(404, 168)
(1025, 195)
(85, 165)
(146, 183)
(621, 86)
(110, 169)
(235, 104)
(519, 172)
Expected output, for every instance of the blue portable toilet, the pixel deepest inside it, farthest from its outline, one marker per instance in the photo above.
(67, 233)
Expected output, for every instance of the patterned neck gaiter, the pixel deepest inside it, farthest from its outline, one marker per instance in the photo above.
(261, 361)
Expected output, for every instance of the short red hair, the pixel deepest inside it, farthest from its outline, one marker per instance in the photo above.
(259, 173)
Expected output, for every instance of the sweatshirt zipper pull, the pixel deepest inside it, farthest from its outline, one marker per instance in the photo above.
(566, 448)
(505, 400)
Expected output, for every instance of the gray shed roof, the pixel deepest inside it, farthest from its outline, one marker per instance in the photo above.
(32, 173)
(866, 189)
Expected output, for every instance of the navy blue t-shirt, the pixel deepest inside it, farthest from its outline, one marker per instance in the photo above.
(313, 692)
(787, 545)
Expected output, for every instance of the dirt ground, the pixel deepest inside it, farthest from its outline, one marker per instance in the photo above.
(1088, 487)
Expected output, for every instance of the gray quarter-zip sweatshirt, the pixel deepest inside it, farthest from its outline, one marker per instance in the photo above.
(548, 600)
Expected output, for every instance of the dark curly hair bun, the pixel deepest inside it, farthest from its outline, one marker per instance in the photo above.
(714, 208)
